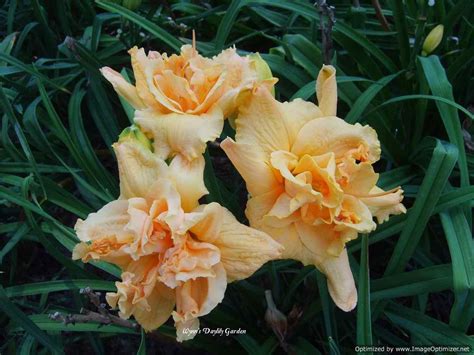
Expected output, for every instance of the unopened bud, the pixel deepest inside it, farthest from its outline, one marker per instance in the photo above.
(274, 318)
(261, 67)
(264, 73)
(433, 40)
(134, 133)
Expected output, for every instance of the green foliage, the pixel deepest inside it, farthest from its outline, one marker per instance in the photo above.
(60, 117)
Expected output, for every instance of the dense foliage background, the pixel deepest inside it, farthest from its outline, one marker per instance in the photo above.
(60, 117)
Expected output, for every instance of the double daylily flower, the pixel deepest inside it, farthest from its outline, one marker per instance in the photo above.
(177, 256)
(181, 100)
(309, 175)
(310, 178)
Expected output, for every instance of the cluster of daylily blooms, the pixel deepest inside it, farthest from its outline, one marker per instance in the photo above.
(309, 175)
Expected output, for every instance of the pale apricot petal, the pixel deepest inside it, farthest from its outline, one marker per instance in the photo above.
(123, 87)
(197, 298)
(139, 63)
(188, 260)
(289, 238)
(188, 177)
(382, 205)
(338, 245)
(243, 249)
(318, 241)
(326, 90)
(213, 96)
(105, 249)
(354, 214)
(323, 179)
(110, 220)
(164, 191)
(140, 224)
(283, 207)
(298, 188)
(139, 294)
(316, 214)
(161, 302)
(240, 73)
(356, 179)
(259, 206)
(296, 114)
(104, 235)
(341, 284)
(251, 163)
(151, 236)
(260, 122)
(138, 167)
(237, 68)
(181, 133)
(331, 134)
(207, 223)
(174, 86)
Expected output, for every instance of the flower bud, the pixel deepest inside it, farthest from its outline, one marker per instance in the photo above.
(261, 67)
(134, 133)
(432, 40)
(275, 318)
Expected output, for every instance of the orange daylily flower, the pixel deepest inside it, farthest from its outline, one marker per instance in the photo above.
(310, 178)
(181, 100)
(176, 256)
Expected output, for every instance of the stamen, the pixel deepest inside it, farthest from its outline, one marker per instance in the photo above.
(194, 43)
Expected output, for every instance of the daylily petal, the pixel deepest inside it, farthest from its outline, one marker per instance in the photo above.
(326, 90)
(197, 298)
(260, 122)
(243, 249)
(181, 133)
(150, 236)
(139, 294)
(341, 284)
(188, 177)
(354, 214)
(383, 204)
(109, 220)
(251, 163)
(259, 206)
(331, 134)
(123, 87)
(296, 114)
(139, 168)
(207, 223)
(161, 302)
(323, 181)
(172, 85)
(188, 260)
(356, 179)
(139, 64)
(318, 240)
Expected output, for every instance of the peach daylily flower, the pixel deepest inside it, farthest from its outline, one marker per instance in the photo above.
(176, 256)
(311, 180)
(181, 100)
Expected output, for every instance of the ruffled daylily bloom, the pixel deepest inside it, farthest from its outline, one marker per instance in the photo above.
(181, 100)
(311, 180)
(176, 256)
